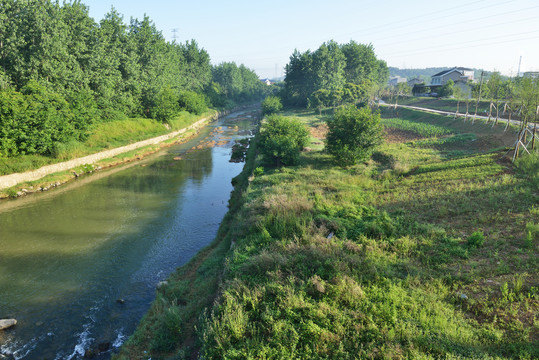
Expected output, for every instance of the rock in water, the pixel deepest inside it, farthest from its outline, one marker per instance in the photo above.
(103, 347)
(7, 323)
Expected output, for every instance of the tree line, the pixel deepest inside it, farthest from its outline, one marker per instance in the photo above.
(332, 75)
(61, 72)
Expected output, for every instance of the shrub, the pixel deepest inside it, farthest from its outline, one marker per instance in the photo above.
(33, 120)
(477, 239)
(353, 134)
(271, 105)
(532, 234)
(259, 171)
(282, 139)
(193, 102)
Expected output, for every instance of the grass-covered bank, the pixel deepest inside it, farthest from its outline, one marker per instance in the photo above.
(102, 136)
(113, 137)
(429, 250)
(170, 325)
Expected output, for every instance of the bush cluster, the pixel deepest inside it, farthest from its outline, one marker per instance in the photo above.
(353, 134)
(282, 139)
(271, 105)
(35, 120)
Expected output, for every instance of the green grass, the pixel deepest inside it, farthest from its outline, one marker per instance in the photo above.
(422, 129)
(102, 136)
(411, 255)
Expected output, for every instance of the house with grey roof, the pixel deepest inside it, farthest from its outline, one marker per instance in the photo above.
(457, 74)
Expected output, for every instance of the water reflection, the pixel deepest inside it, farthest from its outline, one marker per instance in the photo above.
(67, 255)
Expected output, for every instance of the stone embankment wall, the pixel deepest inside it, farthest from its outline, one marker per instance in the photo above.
(10, 180)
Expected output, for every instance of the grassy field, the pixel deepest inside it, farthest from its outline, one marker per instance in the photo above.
(429, 250)
(103, 136)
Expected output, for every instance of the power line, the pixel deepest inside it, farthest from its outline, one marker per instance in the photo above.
(480, 40)
(392, 27)
(467, 47)
(467, 29)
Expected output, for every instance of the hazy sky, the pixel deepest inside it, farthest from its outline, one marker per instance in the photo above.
(488, 34)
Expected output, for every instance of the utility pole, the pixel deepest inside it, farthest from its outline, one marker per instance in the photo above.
(174, 34)
(519, 62)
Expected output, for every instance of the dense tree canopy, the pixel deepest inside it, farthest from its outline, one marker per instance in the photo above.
(333, 74)
(238, 82)
(85, 71)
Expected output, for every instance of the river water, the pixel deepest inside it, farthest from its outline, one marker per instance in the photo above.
(68, 255)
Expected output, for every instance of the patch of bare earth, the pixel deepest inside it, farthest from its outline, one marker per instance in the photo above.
(319, 131)
(392, 135)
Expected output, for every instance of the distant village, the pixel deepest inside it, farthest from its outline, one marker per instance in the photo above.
(461, 77)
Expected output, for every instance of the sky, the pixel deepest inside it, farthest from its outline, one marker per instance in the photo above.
(483, 34)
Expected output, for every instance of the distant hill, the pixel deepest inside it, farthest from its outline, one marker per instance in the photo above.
(424, 74)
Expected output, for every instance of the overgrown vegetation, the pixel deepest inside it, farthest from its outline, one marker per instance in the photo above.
(271, 105)
(62, 74)
(414, 254)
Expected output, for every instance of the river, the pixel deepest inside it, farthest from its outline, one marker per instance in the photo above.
(67, 256)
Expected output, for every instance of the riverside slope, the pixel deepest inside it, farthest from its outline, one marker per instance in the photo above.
(10, 180)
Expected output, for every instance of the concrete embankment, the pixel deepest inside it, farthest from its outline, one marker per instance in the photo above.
(11, 180)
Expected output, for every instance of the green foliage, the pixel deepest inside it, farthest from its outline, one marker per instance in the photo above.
(319, 99)
(259, 171)
(320, 265)
(32, 122)
(476, 239)
(333, 68)
(164, 105)
(447, 89)
(237, 83)
(353, 134)
(271, 105)
(528, 167)
(282, 139)
(193, 102)
(62, 72)
(215, 95)
(531, 235)
(420, 128)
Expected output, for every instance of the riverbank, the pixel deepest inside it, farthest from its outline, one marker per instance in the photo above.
(84, 260)
(50, 176)
(192, 288)
(427, 250)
